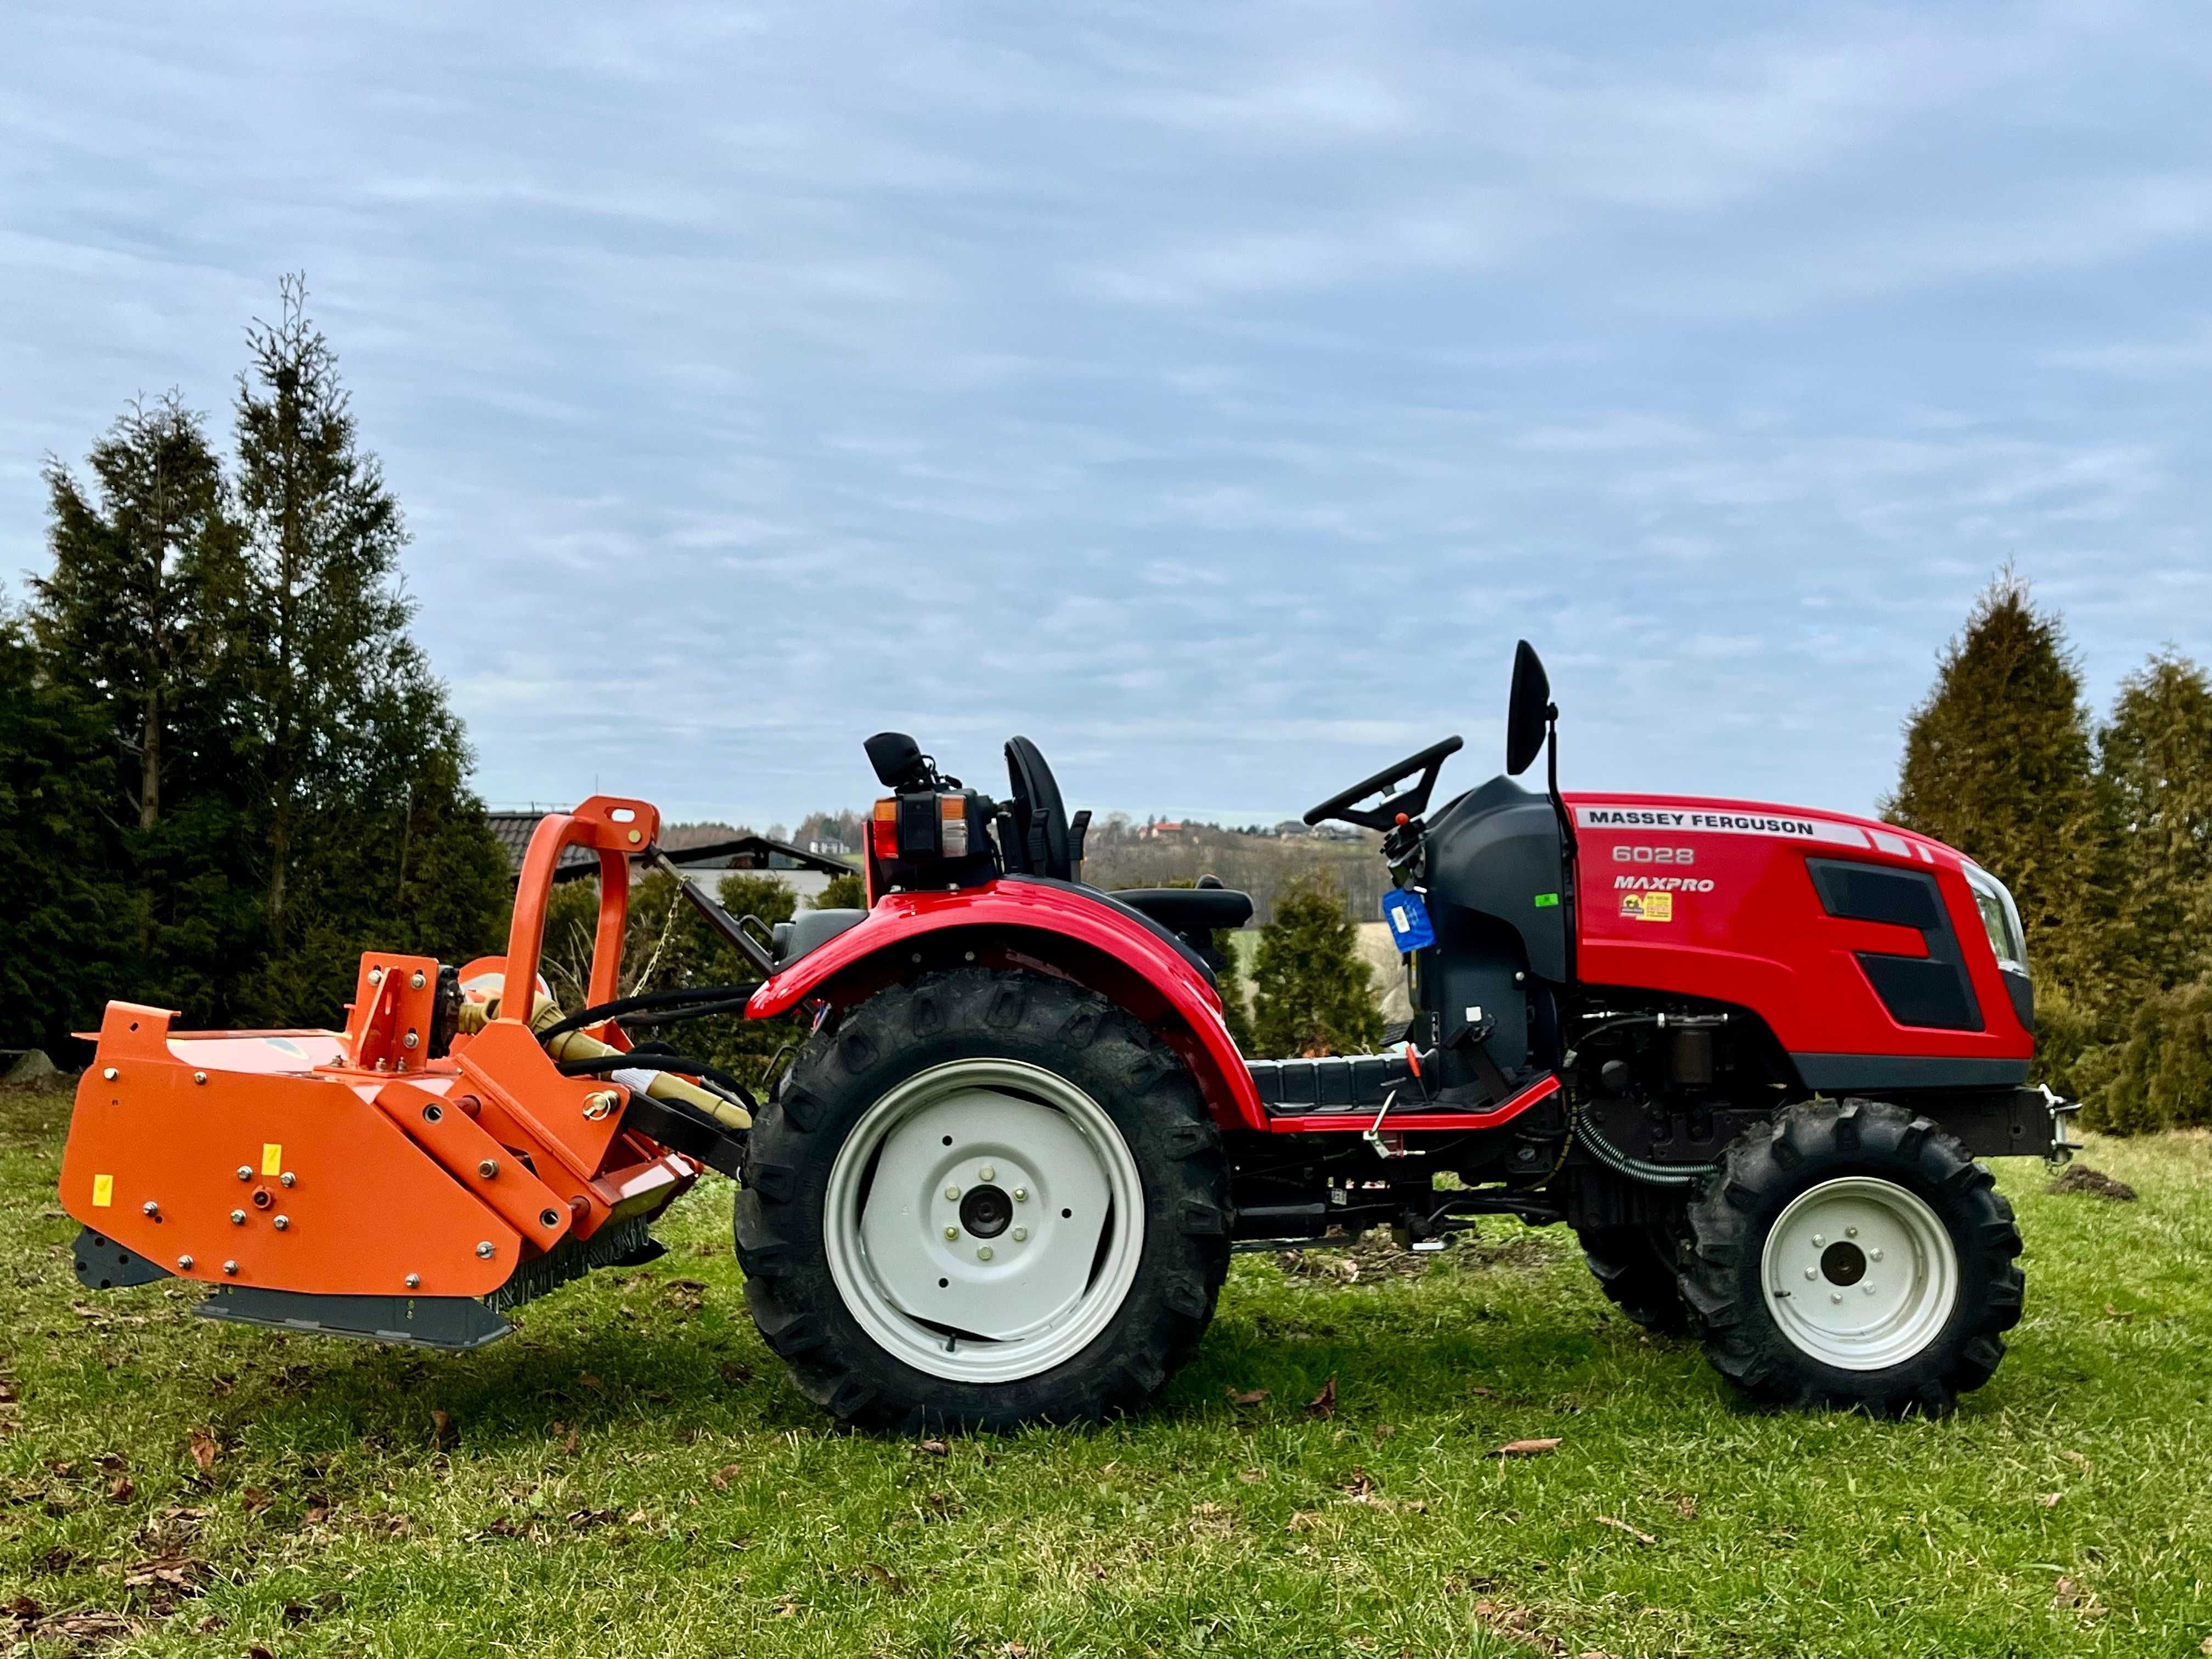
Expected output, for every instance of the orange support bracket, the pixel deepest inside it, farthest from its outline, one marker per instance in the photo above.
(616, 828)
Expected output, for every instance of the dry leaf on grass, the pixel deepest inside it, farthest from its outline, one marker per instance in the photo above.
(178, 1572)
(1527, 1448)
(1324, 1403)
(1637, 1532)
(2050, 1499)
(121, 1490)
(1245, 1396)
(254, 1499)
(1212, 1520)
(883, 1576)
(936, 1448)
(1251, 1477)
(205, 1449)
(721, 1478)
(2068, 1593)
(441, 1425)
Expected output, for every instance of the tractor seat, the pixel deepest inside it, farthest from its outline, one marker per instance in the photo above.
(1199, 910)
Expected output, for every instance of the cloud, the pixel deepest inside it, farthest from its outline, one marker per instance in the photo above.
(1214, 393)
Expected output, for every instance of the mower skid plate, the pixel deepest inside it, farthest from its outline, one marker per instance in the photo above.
(423, 1321)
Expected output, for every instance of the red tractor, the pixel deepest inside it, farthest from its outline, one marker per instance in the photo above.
(1750, 1054)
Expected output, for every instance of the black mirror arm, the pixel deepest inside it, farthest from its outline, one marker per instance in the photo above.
(1412, 802)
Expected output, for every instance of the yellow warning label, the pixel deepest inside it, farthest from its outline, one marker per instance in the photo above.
(1647, 907)
(103, 1191)
(272, 1154)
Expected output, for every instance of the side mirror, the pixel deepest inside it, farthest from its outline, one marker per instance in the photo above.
(897, 760)
(1527, 715)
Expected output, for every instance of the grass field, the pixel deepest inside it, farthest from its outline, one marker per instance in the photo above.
(630, 1474)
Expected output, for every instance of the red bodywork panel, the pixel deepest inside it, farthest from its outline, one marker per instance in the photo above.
(1741, 920)
(1111, 952)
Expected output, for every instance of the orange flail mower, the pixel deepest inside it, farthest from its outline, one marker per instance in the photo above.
(409, 1177)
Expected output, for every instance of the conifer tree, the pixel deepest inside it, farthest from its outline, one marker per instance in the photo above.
(125, 610)
(371, 836)
(137, 616)
(2156, 754)
(1999, 763)
(1312, 994)
(63, 908)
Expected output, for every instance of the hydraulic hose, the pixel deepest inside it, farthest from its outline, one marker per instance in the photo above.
(1636, 1168)
(676, 1004)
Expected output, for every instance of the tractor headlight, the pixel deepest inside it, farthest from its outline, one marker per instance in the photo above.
(2000, 919)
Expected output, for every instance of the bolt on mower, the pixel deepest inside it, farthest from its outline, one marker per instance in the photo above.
(1749, 1053)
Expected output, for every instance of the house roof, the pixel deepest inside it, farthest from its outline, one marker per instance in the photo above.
(512, 831)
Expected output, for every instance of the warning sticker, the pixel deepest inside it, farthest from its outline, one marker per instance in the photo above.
(1647, 907)
(103, 1191)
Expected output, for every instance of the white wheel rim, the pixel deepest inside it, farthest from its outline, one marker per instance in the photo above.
(1860, 1273)
(1028, 1278)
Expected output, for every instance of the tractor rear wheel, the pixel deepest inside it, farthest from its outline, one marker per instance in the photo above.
(1851, 1254)
(1634, 1265)
(981, 1200)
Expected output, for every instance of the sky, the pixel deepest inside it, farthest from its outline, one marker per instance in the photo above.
(1212, 393)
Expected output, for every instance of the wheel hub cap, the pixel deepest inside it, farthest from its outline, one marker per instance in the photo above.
(1860, 1273)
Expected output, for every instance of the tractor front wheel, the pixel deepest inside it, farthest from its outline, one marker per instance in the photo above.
(983, 1199)
(1851, 1254)
(1634, 1265)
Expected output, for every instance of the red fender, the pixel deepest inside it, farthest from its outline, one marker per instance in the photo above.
(1115, 955)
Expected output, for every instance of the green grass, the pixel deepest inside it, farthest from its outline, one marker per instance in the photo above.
(631, 1475)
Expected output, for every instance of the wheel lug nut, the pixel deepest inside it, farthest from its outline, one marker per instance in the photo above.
(984, 1253)
(1020, 1233)
(238, 1217)
(1819, 1239)
(1874, 1255)
(1867, 1287)
(952, 1192)
(1021, 1195)
(987, 1173)
(1835, 1296)
(1850, 1232)
(1812, 1273)
(952, 1232)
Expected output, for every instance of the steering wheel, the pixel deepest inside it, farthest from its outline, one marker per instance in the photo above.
(1040, 835)
(1411, 803)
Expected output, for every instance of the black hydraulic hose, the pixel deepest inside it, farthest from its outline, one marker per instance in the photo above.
(1636, 1169)
(687, 1010)
(673, 999)
(646, 1060)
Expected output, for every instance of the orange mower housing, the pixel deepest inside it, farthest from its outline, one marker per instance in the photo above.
(390, 1179)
